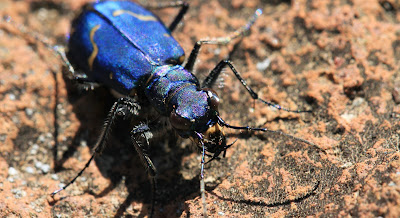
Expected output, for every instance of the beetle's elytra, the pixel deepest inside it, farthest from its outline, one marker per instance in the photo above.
(119, 43)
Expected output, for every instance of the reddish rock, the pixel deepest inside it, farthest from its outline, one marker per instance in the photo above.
(340, 60)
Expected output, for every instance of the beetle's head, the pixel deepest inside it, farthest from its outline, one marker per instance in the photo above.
(197, 119)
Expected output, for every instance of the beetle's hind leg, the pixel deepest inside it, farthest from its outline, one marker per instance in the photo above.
(182, 4)
(58, 50)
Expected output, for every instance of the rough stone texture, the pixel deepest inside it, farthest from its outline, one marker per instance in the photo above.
(338, 58)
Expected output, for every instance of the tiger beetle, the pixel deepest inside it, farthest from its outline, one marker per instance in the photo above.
(128, 49)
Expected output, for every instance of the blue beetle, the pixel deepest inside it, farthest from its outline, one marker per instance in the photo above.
(126, 48)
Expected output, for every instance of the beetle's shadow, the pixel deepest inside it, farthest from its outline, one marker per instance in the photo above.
(119, 162)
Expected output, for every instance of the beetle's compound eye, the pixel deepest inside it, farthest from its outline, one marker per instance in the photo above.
(179, 122)
(212, 98)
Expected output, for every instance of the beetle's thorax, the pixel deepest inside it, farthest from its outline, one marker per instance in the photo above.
(174, 91)
(171, 87)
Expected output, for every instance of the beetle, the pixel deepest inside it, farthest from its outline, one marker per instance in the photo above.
(125, 47)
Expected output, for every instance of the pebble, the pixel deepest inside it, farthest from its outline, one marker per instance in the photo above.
(18, 193)
(45, 168)
(12, 171)
(30, 170)
(263, 65)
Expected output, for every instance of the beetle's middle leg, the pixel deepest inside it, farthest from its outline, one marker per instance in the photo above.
(220, 40)
(212, 77)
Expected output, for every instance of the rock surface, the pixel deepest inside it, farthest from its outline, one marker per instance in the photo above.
(339, 59)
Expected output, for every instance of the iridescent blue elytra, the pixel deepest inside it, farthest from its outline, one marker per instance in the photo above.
(126, 42)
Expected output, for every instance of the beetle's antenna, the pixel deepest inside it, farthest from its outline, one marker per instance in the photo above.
(202, 184)
(248, 128)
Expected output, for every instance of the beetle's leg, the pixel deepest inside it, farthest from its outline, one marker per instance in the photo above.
(220, 40)
(202, 182)
(84, 82)
(58, 50)
(123, 107)
(212, 77)
(142, 146)
(182, 4)
(178, 18)
(78, 77)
